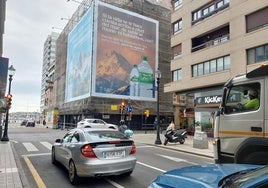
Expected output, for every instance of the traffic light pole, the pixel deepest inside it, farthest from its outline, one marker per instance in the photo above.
(5, 136)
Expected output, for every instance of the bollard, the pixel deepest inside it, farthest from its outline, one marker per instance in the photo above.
(200, 140)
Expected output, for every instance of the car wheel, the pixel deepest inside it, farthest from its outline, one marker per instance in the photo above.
(53, 158)
(72, 173)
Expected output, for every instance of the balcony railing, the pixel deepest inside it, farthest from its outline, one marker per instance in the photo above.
(213, 42)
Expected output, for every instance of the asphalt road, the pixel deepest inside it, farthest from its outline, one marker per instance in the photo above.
(32, 153)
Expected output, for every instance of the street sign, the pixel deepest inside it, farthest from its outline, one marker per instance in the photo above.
(129, 109)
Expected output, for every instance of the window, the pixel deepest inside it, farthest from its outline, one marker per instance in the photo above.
(177, 26)
(176, 75)
(243, 98)
(209, 9)
(176, 51)
(214, 65)
(257, 54)
(177, 4)
(257, 20)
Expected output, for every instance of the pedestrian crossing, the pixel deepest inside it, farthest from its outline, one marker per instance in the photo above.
(36, 146)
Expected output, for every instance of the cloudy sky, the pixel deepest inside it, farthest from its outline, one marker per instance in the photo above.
(27, 25)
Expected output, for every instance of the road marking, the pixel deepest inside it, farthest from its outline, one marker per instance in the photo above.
(113, 183)
(176, 159)
(158, 169)
(29, 146)
(37, 178)
(47, 145)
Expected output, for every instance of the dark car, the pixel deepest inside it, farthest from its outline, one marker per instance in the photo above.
(23, 122)
(214, 175)
(30, 124)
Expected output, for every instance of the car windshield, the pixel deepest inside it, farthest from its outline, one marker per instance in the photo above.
(98, 136)
(244, 177)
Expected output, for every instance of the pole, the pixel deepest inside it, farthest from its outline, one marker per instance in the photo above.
(158, 140)
(5, 136)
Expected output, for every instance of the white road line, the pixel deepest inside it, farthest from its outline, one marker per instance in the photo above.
(176, 159)
(47, 145)
(114, 183)
(29, 146)
(149, 166)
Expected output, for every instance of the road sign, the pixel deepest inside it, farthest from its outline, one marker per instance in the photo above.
(129, 109)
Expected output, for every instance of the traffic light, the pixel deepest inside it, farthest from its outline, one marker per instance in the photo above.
(147, 113)
(8, 101)
(123, 106)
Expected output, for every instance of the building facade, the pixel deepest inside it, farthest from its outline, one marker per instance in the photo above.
(48, 73)
(211, 42)
(100, 107)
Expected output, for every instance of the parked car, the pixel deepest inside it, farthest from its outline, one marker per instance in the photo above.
(23, 122)
(30, 124)
(95, 123)
(214, 175)
(89, 152)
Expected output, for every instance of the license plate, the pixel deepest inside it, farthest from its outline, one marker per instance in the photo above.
(113, 154)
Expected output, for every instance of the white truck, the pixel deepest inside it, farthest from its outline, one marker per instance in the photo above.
(241, 134)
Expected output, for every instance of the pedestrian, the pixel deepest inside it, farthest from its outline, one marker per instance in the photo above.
(122, 127)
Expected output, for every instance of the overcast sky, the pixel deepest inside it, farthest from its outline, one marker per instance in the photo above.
(27, 25)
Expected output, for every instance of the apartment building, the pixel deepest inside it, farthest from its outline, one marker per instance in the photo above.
(211, 42)
(48, 72)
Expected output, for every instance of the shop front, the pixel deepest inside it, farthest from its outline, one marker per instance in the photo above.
(198, 113)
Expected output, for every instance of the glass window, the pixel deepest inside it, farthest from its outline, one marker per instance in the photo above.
(219, 4)
(205, 11)
(177, 3)
(260, 54)
(213, 66)
(206, 67)
(175, 75)
(266, 52)
(211, 8)
(200, 69)
(227, 62)
(220, 64)
(251, 56)
(194, 70)
(243, 98)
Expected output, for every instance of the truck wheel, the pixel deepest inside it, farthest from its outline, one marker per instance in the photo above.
(256, 158)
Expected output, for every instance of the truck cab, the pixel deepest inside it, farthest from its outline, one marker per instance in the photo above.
(241, 124)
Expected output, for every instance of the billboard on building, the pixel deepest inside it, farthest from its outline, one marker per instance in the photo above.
(79, 59)
(3, 75)
(126, 54)
(113, 55)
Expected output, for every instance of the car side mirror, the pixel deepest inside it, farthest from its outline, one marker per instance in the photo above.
(58, 140)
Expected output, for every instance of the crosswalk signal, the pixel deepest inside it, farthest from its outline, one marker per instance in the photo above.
(8, 101)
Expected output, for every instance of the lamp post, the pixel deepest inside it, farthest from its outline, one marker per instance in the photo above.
(11, 72)
(158, 76)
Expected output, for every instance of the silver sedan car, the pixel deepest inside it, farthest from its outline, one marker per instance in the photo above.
(88, 152)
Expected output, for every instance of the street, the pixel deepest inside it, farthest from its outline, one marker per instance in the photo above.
(32, 147)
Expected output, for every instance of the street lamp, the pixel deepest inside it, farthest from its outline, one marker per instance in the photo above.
(11, 72)
(158, 76)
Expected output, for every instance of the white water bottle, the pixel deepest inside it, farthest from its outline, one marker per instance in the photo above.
(134, 81)
(145, 78)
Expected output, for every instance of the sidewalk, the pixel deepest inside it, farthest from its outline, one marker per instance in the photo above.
(150, 137)
(9, 175)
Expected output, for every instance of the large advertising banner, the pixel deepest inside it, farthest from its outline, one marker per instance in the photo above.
(79, 59)
(126, 54)
(3, 75)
